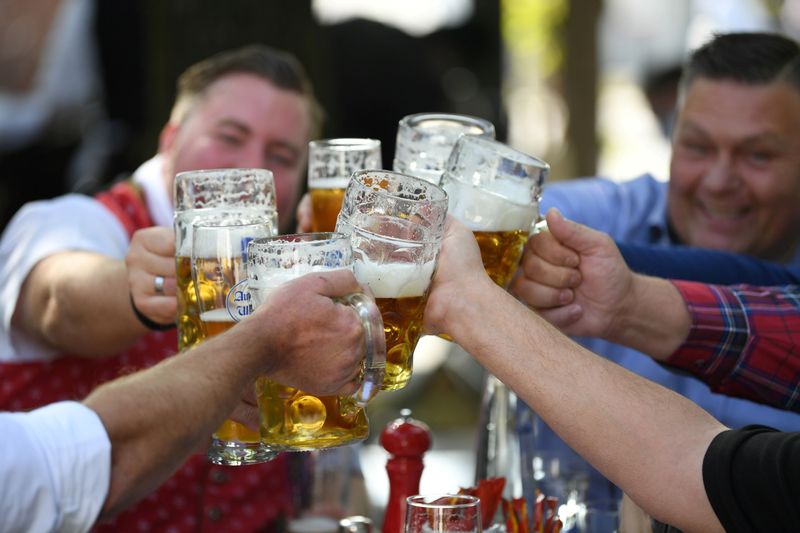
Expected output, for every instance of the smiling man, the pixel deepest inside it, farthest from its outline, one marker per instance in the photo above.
(86, 278)
(734, 185)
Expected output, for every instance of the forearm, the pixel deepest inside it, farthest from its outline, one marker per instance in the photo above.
(78, 302)
(156, 418)
(653, 441)
(653, 320)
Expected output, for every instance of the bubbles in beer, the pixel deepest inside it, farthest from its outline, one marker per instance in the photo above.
(307, 413)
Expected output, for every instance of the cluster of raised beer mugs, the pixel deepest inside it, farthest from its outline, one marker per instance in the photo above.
(216, 213)
(292, 419)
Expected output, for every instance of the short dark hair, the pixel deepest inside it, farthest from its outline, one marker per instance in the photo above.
(751, 58)
(280, 68)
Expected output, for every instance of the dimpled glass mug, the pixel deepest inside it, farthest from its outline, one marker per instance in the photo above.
(425, 140)
(292, 419)
(331, 162)
(494, 190)
(247, 192)
(218, 257)
(396, 224)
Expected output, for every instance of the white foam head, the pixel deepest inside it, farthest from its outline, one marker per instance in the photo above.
(339, 182)
(265, 280)
(207, 241)
(484, 210)
(394, 280)
(216, 315)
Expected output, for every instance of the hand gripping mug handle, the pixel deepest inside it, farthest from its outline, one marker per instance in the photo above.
(374, 364)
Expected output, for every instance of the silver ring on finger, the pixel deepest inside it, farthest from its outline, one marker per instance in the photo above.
(158, 285)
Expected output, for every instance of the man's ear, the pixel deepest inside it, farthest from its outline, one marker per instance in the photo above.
(167, 136)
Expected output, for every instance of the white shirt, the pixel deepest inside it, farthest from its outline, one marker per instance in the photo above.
(68, 223)
(55, 463)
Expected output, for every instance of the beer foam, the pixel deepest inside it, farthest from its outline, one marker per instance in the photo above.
(216, 315)
(328, 183)
(501, 209)
(222, 215)
(395, 280)
(270, 279)
(208, 244)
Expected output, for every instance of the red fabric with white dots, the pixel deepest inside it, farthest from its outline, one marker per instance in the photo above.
(199, 496)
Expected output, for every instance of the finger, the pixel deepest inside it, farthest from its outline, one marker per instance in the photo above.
(576, 236)
(540, 296)
(304, 214)
(546, 246)
(158, 240)
(333, 284)
(246, 414)
(541, 271)
(562, 317)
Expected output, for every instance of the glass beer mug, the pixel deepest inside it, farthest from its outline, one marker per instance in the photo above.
(425, 140)
(494, 190)
(248, 192)
(396, 224)
(331, 162)
(292, 419)
(219, 263)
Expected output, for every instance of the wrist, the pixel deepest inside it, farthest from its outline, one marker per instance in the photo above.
(653, 319)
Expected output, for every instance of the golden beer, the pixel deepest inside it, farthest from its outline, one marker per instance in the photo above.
(209, 324)
(402, 324)
(401, 292)
(188, 310)
(294, 420)
(501, 252)
(326, 202)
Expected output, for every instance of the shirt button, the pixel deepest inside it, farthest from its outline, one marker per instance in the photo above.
(218, 476)
(214, 514)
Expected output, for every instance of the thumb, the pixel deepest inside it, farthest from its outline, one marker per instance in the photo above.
(580, 238)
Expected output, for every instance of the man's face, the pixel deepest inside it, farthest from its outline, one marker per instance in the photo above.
(735, 170)
(244, 122)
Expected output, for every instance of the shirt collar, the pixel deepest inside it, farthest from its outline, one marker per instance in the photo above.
(148, 177)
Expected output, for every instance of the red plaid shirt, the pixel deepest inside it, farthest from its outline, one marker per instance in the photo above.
(744, 341)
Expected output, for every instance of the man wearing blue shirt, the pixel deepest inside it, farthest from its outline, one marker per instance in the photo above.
(734, 186)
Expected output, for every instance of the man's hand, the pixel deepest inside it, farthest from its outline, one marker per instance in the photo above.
(575, 278)
(152, 254)
(305, 214)
(315, 343)
(460, 268)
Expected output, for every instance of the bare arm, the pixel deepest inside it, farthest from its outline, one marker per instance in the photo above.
(156, 418)
(645, 438)
(78, 302)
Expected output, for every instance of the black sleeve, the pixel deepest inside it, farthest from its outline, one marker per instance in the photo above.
(752, 478)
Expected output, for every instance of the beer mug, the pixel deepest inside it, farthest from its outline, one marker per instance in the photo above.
(494, 190)
(292, 419)
(425, 140)
(219, 263)
(331, 162)
(396, 224)
(249, 192)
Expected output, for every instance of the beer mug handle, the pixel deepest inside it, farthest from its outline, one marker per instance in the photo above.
(374, 346)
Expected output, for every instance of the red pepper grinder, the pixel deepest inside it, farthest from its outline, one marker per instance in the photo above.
(406, 440)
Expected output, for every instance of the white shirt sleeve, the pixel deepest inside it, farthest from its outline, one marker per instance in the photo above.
(55, 463)
(38, 230)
